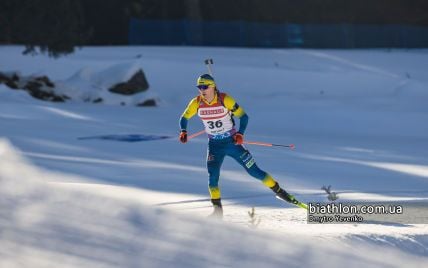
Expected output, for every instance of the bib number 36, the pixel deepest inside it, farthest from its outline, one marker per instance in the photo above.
(215, 124)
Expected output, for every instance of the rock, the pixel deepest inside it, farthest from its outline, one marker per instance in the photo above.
(3, 78)
(149, 102)
(35, 89)
(45, 80)
(15, 77)
(12, 85)
(40, 87)
(137, 83)
(33, 86)
(9, 81)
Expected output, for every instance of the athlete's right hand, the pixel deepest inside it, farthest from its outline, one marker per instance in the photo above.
(183, 136)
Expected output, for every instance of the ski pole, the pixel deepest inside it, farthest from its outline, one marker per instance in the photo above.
(195, 134)
(291, 146)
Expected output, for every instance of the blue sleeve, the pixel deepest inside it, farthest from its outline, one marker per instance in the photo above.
(183, 123)
(243, 122)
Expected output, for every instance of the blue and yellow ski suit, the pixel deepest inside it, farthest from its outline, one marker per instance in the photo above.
(218, 120)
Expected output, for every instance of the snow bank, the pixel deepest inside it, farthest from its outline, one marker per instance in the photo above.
(91, 85)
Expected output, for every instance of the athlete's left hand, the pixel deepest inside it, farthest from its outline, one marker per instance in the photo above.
(238, 138)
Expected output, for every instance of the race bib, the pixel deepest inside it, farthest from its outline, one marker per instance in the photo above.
(216, 119)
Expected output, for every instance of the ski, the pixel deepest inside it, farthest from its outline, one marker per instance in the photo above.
(294, 201)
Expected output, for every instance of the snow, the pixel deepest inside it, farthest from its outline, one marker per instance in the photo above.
(89, 85)
(357, 118)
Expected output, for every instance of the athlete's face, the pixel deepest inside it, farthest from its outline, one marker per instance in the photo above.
(208, 93)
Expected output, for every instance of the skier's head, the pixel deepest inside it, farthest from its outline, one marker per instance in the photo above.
(204, 81)
(207, 87)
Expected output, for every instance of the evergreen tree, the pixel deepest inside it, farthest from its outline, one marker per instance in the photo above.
(49, 26)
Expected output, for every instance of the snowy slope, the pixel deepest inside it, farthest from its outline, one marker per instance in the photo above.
(358, 119)
(47, 225)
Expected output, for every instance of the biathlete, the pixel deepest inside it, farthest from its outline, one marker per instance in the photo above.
(216, 111)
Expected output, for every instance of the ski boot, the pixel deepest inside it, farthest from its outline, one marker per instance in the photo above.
(282, 194)
(218, 209)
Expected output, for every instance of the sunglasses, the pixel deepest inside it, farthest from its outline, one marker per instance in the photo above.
(203, 87)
